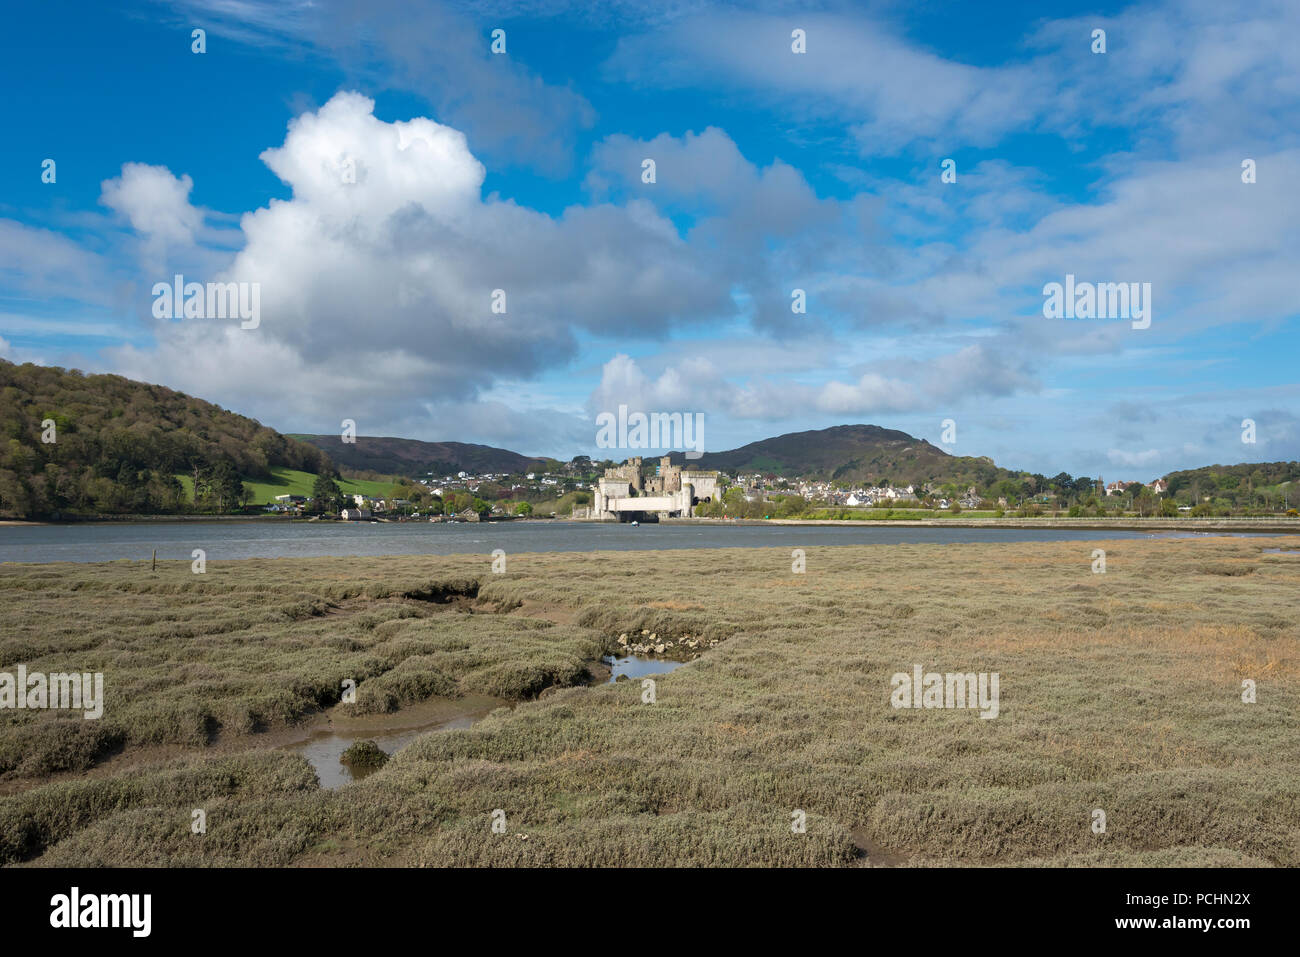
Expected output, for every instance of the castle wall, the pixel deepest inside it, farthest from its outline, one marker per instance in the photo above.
(670, 492)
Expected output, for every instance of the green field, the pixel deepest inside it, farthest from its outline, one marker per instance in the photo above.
(292, 482)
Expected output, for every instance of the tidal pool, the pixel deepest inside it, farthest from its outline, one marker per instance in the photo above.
(635, 667)
(391, 732)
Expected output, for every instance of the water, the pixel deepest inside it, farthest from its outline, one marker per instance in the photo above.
(391, 732)
(278, 539)
(635, 667)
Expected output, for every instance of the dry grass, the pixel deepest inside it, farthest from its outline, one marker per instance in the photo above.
(1119, 692)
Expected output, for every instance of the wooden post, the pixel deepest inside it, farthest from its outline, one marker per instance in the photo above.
(153, 565)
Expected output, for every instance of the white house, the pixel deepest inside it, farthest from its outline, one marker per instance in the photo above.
(353, 514)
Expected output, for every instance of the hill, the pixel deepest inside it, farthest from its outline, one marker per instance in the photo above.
(411, 457)
(854, 453)
(1264, 484)
(77, 443)
(286, 481)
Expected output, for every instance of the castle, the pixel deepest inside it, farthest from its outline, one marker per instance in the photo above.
(624, 493)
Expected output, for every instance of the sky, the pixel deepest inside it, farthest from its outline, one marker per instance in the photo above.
(451, 243)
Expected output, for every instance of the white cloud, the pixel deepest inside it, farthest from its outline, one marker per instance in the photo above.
(43, 264)
(1127, 459)
(155, 202)
(389, 280)
(1198, 72)
(872, 393)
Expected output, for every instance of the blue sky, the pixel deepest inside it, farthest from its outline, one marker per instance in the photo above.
(775, 171)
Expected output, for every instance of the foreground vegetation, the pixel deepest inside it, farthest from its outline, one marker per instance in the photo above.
(1120, 691)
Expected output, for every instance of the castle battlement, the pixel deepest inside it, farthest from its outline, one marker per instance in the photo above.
(624, 492)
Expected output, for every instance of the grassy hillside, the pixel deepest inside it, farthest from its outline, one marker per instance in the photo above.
(283, 481)
(77, 443)
(411, 457)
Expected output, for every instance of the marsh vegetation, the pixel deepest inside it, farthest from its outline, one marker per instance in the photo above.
(1120, 691)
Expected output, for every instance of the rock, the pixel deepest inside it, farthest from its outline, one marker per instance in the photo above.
(659, 649)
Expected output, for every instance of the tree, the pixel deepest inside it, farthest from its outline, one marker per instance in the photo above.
(226, 490)
(121, 443)
(326, 496)
(523, 508)
(456, 502)
(1009, 489)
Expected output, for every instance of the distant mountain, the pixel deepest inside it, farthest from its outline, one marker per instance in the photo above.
(857, 453)
(95, 444)
(411, 457)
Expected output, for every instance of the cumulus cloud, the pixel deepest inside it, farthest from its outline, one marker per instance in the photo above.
(900, 385)
(871, 393)
(678, 387)
(377, 273)
(380, 271)
(765, 228)
(155, 202)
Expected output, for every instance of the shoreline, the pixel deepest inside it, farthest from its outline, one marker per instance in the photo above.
(1268, 525)
(163, 519)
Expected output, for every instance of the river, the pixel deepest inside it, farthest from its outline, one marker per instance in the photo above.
(229, 540)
